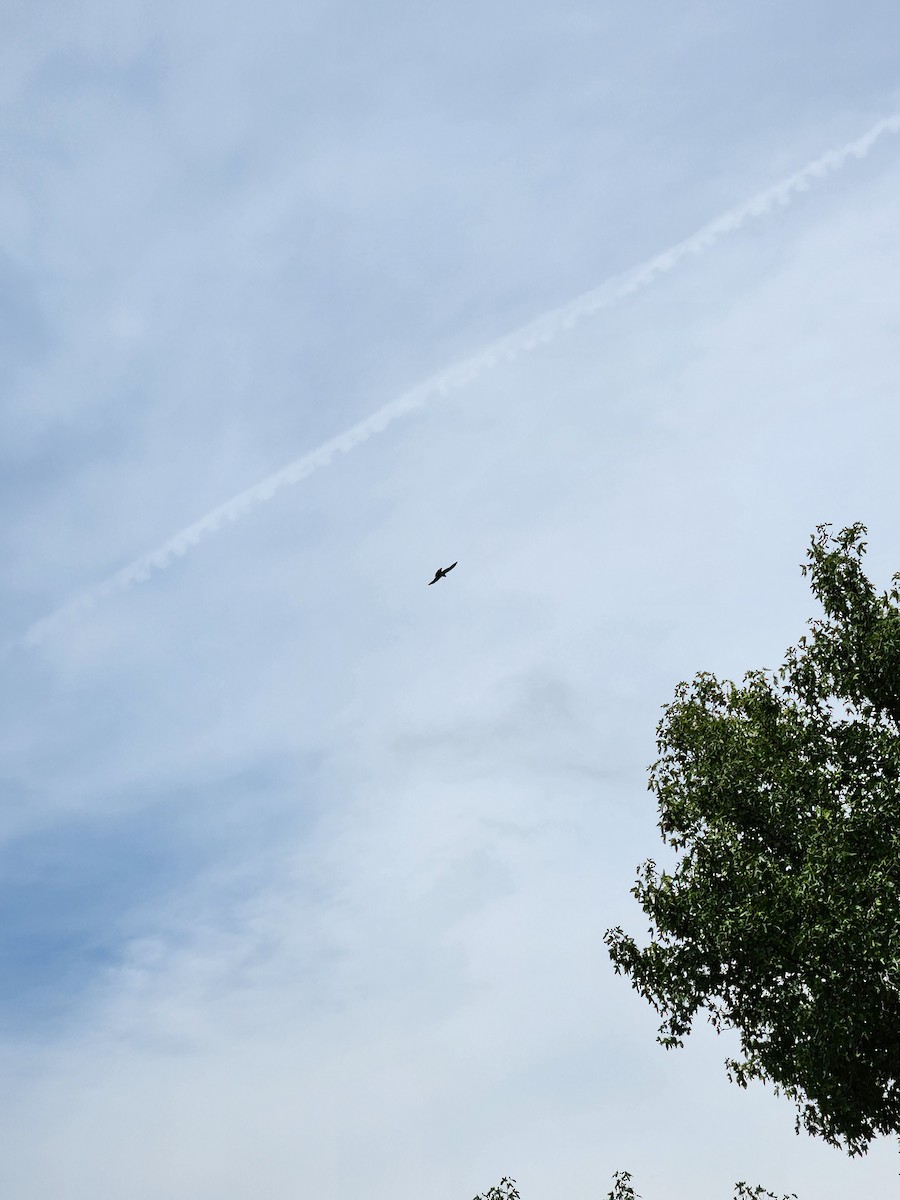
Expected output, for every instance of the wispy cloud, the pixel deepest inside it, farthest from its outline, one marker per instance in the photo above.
(452, 378)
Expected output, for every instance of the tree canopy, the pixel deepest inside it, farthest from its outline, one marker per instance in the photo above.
(781, 918)
(622, 1190)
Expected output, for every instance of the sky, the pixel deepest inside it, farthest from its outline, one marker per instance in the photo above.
(304, 865)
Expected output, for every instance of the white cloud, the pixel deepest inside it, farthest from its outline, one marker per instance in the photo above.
(396, 820)
(541, 331)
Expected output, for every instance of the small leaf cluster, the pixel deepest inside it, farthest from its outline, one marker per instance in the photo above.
(505, 1190)
(622, 1190)
(781, 920)
(743, 1191)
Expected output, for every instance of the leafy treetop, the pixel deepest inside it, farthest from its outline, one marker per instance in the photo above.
(622, 1190)
(781, 919)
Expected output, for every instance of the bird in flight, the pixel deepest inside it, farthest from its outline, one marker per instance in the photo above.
(440, 573)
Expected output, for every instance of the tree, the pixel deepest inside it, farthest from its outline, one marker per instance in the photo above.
(506, 1190)
(781, 918)
(622, 1190)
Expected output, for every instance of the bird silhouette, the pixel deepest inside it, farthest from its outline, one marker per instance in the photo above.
(440, 573)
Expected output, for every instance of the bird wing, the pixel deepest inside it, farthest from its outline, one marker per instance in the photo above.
(450, 568)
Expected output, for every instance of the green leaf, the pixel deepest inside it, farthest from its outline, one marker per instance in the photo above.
(781, 920)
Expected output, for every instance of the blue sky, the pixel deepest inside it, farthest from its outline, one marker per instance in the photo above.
(305, 866)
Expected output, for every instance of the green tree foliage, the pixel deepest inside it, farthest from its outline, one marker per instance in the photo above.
(505, 1190)
(622, 1190)
(781, 919)
(743, 1191)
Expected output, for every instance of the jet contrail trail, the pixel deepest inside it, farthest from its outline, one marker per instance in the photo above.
(544, 329)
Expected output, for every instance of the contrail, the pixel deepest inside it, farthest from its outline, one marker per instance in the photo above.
(542, 330)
